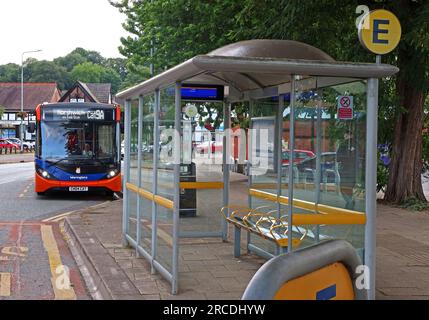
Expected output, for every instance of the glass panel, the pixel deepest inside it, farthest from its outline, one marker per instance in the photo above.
(307, 106)
(341, 153)
(344, 185)
(147, 171)
(263, 161)
(148, 142)
(132, 220)
(134, 142)
(202, 154)
(165, 177)
(165, 237)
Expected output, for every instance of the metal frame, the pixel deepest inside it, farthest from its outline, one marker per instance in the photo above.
(291, 159)
(201, 69)
(126, 177)
(371, 181)
(226, 167)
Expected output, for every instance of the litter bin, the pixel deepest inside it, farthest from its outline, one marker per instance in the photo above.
(188, 197)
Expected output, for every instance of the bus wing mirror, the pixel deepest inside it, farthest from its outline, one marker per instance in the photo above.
(31, 127)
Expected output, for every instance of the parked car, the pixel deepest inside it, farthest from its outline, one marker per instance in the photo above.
(298, 156)
(5, 143)
(26, 144)
(203, 147)
(307, 167)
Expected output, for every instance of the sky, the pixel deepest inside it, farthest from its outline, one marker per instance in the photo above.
(57, 27)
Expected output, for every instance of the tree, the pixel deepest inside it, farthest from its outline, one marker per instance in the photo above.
(90, 55)
(135, 75)
(176, 30)
(119, 65)
(94, 73)
(180, 29)
(10, 73)
(70, 61)
(47, 71)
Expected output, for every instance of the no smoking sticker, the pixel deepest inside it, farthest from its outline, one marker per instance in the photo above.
(345, 107)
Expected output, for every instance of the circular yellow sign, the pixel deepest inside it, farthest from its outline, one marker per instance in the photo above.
(379, 31)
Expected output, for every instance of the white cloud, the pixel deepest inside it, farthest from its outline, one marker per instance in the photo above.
(57, 27)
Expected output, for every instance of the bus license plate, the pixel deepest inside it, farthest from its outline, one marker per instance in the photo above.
(78, 189)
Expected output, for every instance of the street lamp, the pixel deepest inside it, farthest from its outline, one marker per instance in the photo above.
(22, 96)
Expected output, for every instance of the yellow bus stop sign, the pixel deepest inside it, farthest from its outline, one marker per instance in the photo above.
(379, 31)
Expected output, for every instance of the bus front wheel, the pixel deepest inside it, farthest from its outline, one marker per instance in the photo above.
(110, 194)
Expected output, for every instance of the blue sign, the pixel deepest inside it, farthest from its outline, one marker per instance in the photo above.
(327, 293)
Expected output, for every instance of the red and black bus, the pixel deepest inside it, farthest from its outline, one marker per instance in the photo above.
(78, 147)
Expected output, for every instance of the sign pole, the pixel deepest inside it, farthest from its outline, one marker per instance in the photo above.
(378, 59)
(380, 32)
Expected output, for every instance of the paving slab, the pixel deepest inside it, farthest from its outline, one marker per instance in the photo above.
(208, 270)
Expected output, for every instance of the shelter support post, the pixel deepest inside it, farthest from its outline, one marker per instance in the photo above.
(291, 160)
(318, 160)
(249, 166)
(126, 179)
(225, 163)
(278, 160)
(371, 182)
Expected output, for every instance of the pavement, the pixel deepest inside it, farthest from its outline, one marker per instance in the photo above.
(208, 269)
(16, 157)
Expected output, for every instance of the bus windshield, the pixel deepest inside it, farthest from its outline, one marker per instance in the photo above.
(78, 140)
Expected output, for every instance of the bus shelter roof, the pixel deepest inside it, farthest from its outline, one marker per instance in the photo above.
(257, 64)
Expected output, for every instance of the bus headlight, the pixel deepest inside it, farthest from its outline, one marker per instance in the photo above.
(44, 174)
(112, 173)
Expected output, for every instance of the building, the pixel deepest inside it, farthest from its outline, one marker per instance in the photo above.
(88, 92)
(10, 100)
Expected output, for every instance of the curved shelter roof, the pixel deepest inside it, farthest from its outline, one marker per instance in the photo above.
(258, 64)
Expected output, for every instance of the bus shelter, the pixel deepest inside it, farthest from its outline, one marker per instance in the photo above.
(306, 144)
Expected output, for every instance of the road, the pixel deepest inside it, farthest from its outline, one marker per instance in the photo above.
(18, 201)
(35, 261)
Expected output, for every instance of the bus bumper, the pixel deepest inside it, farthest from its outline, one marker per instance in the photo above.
(42, 185)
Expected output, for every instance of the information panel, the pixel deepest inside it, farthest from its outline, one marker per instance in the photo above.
(78, 114)
(202, 92)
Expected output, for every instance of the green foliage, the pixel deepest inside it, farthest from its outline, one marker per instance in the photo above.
(95, 73)
(382, 175)
(2, 109)
(10, 73)
(80, 64)
(135, 75)
(70, 61)
(47, 71)
(177, 30)
(415, 204)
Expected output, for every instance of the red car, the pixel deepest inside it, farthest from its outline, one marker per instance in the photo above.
(216, 147)
(298, 156)
(4, 143)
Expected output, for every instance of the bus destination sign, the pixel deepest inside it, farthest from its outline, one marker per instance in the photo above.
(78, 114)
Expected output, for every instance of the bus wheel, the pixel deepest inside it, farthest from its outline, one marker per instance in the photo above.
(110, 194)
